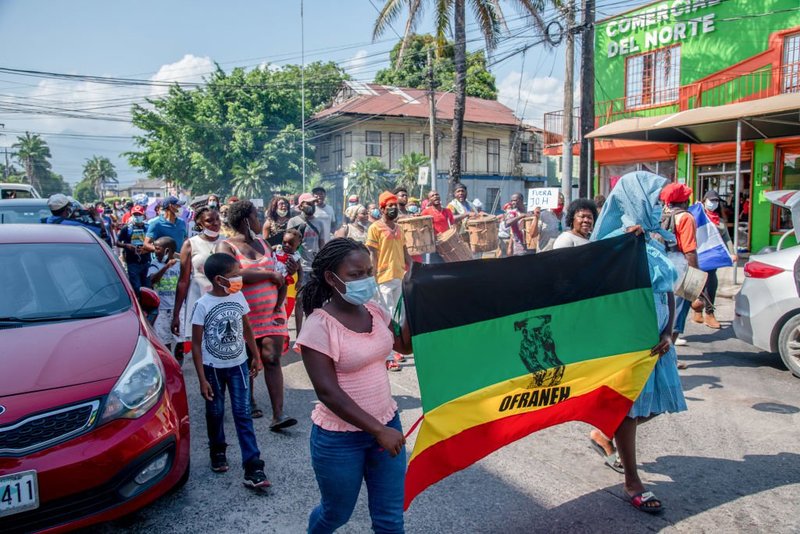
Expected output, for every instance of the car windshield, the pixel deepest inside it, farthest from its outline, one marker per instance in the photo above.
(23, 214)
(16, 193)
(58, 281)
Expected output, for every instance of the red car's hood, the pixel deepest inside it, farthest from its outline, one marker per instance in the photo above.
(55, 355)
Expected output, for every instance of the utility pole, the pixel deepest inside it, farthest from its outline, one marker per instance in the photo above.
(303, 91)
(569, 76)
(5, 151)
(432, 130)
(587, 100)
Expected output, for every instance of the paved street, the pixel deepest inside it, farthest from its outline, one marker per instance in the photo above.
(729, 464)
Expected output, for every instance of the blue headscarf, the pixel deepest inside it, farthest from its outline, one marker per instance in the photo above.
(634, 200)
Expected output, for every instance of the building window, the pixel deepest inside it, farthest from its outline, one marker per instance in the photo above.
(493, 156)
(348, 144)
(325, 149)
(653, 78)
(492, 199)
(337, 152)
(789, 179)
(373, 144)
(530, 152)
(397, 147)
(790, 69)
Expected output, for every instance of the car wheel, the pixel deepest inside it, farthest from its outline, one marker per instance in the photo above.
(789, 345)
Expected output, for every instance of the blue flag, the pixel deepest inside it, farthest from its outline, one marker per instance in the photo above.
(711, 251)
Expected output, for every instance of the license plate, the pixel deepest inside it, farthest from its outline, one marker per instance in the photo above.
(18, 492)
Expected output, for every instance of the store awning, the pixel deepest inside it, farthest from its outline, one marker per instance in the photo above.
(765, 118)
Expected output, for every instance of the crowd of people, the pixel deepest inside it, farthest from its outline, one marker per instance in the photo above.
(229, 279)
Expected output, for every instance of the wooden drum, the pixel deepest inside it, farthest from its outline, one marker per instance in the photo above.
(418, 235)
(451, 247)
(483, 233)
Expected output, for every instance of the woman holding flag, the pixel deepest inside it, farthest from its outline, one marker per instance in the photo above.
(634, 206)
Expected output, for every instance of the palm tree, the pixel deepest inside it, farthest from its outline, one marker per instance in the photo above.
(98, 171)
(251, 181)
(451, 13)
(367, 179)
(407, 170)
(32, 152)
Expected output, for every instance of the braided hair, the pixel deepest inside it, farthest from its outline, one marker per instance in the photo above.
(199, 215)
(316, 291)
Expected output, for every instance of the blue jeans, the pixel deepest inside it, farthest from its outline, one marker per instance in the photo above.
(137, 275)
(237, 381)
(681, 313)
(341, 461)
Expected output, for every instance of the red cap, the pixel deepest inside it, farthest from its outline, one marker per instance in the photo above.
(137, 210)
(385, 198)
(675, 193)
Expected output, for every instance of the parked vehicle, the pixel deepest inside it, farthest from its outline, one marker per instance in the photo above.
(23, 211)
(767, 308)
(93, 415)
(9, 191)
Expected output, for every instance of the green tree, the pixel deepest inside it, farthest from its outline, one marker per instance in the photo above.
(84, 192)
(98, 171)
(407, 170)
(32, 152)
(53, 183)
(412, 68)
(236, 126)
(367, 179)
(452, 14)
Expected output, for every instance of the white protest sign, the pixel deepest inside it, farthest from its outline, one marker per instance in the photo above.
(422, 177)
(543, 197)
(257, 202)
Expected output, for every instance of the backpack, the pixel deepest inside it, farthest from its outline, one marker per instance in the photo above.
(668, 223)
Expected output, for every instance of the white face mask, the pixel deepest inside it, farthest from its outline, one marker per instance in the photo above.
(210, 233)
(711, 205)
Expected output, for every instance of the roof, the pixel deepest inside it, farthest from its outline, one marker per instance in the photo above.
(357, 98)
(765, 118)
(145, 183)
(44, 233)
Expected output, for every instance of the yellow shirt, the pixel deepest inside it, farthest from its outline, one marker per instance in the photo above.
(390, 245)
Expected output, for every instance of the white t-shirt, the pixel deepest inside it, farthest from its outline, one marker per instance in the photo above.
(323, 219)
(168, 285)
(223, 332)
(568, 239)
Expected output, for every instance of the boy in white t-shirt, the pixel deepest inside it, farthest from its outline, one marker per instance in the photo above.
(163, 273)
(221, 337)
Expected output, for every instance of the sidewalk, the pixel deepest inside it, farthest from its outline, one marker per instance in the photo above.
(727, 288)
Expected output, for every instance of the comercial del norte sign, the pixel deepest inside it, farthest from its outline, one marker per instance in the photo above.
(507, 347)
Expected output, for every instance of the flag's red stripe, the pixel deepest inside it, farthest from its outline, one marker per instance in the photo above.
(603, 407)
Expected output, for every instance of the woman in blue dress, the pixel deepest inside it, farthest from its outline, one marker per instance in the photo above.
(634, 206)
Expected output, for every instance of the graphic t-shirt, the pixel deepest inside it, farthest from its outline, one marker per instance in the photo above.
(134, 235)
(168, 285)
(223, 333)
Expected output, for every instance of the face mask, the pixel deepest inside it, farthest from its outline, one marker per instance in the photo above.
(138, 219)
(224, 219)
(711, 205)
(391, 213)
(413, 208)
(308, 210)
(235, 283)
(358, 292)
(213, 205)
(376, 213)
(210, 233)
(101, 211)
(282, 213)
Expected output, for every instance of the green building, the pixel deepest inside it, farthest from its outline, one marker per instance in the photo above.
(679, 55)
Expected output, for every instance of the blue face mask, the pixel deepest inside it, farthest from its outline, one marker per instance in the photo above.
(358, 292)
(138, 219)
(376, 214)
(413, 208)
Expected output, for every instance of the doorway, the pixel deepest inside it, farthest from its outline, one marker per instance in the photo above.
(721, 177)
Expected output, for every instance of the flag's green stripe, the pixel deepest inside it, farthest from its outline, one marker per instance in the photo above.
(456, 361)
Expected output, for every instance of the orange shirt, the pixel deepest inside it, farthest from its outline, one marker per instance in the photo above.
(686, 232)
(390, 245)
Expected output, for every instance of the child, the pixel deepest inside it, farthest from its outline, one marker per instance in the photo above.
(221, 337)
(164, 273)
(131, 241)
(291, 242)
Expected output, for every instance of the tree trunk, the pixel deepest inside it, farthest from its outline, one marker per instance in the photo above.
(460, 88)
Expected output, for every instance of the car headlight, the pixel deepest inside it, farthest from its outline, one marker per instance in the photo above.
(139, 387)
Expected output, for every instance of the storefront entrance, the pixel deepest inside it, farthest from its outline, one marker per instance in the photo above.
(721, 177)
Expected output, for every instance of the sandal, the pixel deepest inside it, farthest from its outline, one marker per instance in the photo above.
(393, 366)
(283, 422)
(640, 500)
(611, 460)
(255, 412)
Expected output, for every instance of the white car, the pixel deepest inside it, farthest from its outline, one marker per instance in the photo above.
(767, 308)
(9, 191)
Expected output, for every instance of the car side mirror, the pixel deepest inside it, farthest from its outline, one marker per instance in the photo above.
(148, 299)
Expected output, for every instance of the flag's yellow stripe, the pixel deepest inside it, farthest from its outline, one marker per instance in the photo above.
(624, 373)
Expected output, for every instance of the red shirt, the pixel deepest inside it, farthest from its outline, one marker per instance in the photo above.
(442, 219)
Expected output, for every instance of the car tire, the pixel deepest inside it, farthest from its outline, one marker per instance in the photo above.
(789, 345)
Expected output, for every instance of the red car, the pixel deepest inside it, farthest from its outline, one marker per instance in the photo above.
(94, 422)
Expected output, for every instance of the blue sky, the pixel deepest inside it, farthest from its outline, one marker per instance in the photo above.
(180, 40)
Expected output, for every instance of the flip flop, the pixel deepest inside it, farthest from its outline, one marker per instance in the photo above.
(611, 460)
(255, 412)
(639, 501)
(284, 422)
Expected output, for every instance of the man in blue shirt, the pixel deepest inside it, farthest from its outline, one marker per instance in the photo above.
(61, 209)
(167, 224)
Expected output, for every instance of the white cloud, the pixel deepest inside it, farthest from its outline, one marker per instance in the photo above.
(356, 64)
(536, 96)
(189, 69)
